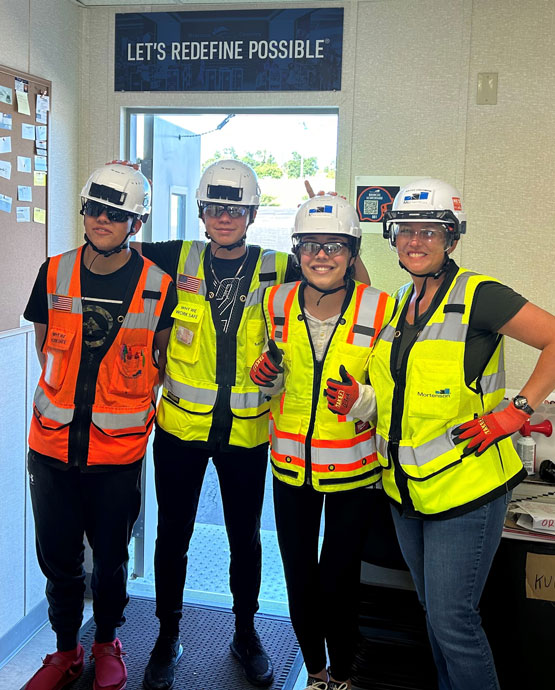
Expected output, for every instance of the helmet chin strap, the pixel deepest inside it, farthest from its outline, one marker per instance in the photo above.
(229, 247)
(109, 252)
(435, 275)
(324, 292)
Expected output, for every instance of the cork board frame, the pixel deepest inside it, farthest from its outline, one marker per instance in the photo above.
(23, 245)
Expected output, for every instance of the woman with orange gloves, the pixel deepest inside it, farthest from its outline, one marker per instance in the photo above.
(320, 331)
(448, 462)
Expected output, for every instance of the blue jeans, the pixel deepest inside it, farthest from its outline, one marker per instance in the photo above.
(449, 562)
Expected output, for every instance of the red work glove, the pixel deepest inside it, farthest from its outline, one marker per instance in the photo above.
(266, 368)
(487, 430)
(342, 394)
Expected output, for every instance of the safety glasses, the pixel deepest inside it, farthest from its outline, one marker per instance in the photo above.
(309, 248)
(115, 215)
(217, 210)
(429, 235)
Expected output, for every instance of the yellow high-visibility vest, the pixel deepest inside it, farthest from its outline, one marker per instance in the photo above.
(429, 398)
(309, 443)
(190, 386)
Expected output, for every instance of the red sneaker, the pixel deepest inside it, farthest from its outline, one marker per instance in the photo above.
(110, 672)
(58, 670)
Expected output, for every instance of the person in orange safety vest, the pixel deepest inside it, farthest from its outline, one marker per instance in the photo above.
(102, 317)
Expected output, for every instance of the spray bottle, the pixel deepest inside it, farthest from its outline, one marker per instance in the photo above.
(526, 446)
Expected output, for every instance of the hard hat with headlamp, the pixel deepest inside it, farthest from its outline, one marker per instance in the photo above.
(121, 191)
(119, 185)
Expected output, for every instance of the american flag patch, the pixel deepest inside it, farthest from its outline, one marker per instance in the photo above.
(188, 283)
(62, 302)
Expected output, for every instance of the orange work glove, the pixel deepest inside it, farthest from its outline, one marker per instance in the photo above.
(342, 394)
(487, 430)
(266, 368)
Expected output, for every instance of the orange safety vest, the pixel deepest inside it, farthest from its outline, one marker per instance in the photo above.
(123, 410)
(309, 443)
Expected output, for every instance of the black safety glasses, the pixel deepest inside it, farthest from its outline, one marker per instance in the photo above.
(217, 210)
(309, 248)
(114, 215)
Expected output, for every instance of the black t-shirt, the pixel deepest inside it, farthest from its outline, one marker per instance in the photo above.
(102, 299)
(494, 305)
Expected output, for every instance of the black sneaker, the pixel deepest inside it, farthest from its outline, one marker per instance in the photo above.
(160, 670)
(257, 665)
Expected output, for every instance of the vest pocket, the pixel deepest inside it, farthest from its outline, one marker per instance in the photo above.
(129, 375)
(184, 344)
(433, 389)
(57, 351)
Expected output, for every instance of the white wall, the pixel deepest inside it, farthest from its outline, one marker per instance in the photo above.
(408, 106)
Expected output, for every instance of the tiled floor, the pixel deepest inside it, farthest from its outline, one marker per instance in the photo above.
(207, 580)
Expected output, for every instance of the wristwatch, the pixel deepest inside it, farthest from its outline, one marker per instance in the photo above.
(521, 403)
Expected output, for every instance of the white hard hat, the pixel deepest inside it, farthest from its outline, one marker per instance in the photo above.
(121, 185)
(426, 200)
(231, 182)
(326, 215)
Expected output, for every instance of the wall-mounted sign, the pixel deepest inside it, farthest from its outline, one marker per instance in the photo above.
(374, 197)
(240, 50)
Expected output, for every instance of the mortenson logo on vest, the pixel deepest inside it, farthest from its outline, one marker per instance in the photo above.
(444, 393)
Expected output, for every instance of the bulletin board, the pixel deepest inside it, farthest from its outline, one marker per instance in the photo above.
(25, 103)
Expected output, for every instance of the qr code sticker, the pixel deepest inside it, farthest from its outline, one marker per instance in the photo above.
(370, 207)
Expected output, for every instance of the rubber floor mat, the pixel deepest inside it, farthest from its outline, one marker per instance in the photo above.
(207, 663)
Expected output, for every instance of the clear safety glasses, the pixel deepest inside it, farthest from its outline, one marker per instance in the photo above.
(430, 235)
(217, 210)
(115, 215)
(310, 248)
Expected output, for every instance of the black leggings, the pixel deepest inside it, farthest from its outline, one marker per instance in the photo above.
(179, 474)
(67, 504)
(323, 592)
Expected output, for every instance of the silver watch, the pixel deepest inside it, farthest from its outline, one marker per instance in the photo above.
(521, 403)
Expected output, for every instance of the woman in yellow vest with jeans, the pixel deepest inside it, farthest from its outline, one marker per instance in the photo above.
(320, 334)
(448, 461)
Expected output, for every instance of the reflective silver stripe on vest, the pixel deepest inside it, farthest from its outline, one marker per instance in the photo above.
(343, 456)
(244, 401)
(280, 296)
(192, 263)
(63, 280)
(388, 333)
(196, 396)
(105, 420)
(493, 382)
(381, 445)
(148, 319)
(365, 318)
(288, 447)
(65, 271)
(427, 452)
(62, 415)
(76, 304)
(267, 265)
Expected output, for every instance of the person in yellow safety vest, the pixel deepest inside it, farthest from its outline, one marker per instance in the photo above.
(449, 464)
(102, 317)
(320, 334)
(211, 409)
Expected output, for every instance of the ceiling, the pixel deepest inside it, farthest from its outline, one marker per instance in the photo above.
(134, 3)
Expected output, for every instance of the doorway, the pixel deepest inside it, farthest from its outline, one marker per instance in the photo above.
(284, 148)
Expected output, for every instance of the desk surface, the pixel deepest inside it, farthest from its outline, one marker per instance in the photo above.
(529, 490)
